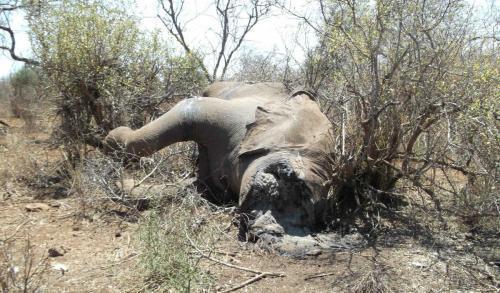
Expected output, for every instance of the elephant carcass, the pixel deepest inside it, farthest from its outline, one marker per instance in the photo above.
(260, 145)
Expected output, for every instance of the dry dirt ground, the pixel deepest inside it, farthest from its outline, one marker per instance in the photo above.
(54, 242)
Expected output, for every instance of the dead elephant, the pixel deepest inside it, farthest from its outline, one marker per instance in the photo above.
(269, 148)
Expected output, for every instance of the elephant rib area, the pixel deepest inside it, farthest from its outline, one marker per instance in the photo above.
(229, 90)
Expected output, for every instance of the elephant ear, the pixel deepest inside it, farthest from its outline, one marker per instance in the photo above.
(293, 124)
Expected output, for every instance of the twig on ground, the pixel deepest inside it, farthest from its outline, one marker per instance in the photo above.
(15, 232)
(259, 275)
(494, 283)
(4, 123)
(231, 254)
(85, 274)
(319, 276)
(248, 282)
(273, 274)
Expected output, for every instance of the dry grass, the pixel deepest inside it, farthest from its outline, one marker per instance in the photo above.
(371, 282)
(21, 270)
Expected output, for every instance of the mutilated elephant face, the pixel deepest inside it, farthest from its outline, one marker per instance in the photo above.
(283, 193)
(284, 188)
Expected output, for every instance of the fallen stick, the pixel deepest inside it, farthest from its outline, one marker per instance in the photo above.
(259, 275)
(4, 123)
(92, 271)
(247, 282)
(15, 232)
(318, 276)
(272, 274)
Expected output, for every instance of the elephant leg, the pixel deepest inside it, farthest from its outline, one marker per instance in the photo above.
(217, 191)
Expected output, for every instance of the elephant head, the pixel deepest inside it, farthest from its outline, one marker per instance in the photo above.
(268, 148)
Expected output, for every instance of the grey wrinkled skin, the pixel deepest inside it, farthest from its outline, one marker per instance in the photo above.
(261, 146)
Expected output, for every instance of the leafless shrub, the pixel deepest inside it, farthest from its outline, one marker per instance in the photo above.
(399, 81)
(103, 183)
(23, 273)
(236, 19)
(259, 67)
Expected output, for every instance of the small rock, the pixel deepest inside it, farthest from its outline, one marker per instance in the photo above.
(55, 252)
(14, 270)
(36, 207)
(198, 223)
(419, 264)
(60, 267)
(313, 252)
(55, 204)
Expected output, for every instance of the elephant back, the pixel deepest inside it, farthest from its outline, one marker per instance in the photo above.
(227, 90)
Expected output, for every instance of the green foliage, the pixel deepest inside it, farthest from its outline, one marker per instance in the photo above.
(106, 71)
(25, 100)
(185, 74)
(5, 94)
(23, 80)
(476, 142)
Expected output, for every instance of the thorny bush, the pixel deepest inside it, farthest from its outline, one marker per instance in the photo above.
(412, 87)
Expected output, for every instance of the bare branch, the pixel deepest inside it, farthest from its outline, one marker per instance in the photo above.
(382, 109)
(306, 19)
(231, 33)
(253, 19)
(223, 13)
(207, 256)
(174, 27)
(12, 48)
(10, 7)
